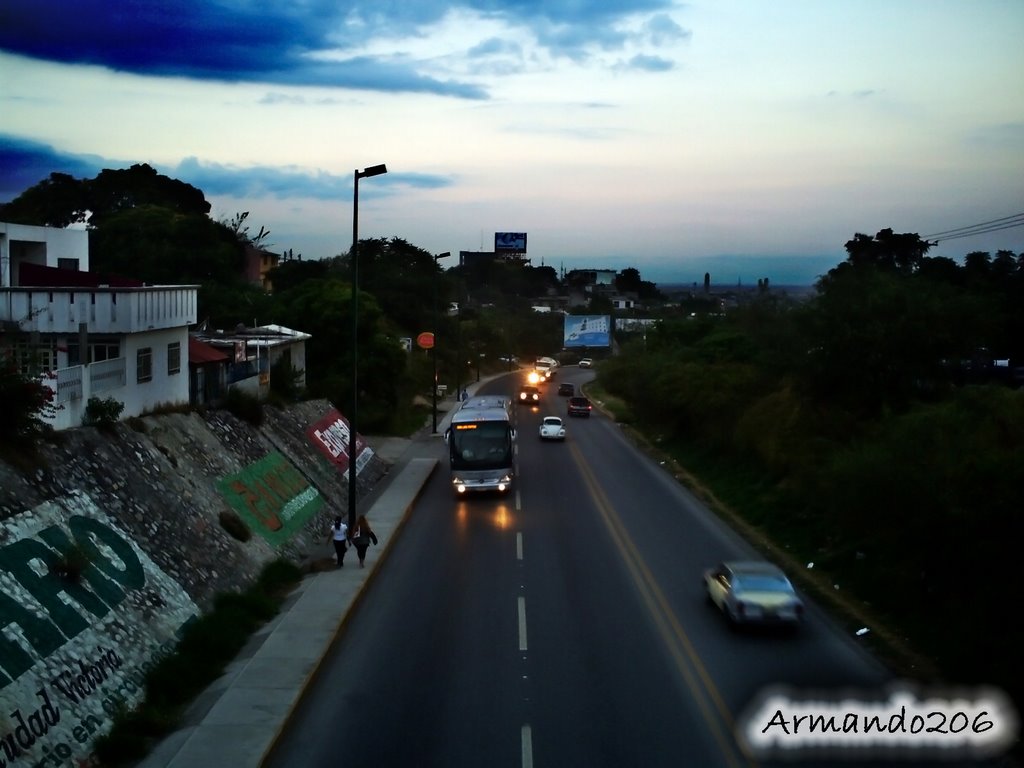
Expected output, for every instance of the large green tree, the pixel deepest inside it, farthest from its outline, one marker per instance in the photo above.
(61, 199)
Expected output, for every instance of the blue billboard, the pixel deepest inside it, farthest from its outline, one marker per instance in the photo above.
(587, 331)
(510, 241)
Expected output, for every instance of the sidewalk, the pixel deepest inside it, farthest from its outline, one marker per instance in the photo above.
(237, 719)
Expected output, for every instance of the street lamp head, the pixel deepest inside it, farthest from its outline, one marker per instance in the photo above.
(373, 170)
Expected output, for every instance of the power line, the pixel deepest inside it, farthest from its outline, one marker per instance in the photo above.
(995, 225)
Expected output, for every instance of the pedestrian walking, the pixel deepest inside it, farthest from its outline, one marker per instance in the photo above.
(339, 535)
(362, 537)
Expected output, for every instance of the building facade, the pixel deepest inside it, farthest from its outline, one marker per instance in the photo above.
(86, 335)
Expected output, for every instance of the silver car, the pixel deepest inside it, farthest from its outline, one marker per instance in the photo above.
(753, 592)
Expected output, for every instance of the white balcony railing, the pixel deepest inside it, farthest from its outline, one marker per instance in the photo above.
(102, 310)
(107, 374)
(69, 384)
(103, 376)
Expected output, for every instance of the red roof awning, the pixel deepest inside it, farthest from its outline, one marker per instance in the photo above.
(199, 353)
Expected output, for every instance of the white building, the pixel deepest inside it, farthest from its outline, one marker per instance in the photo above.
(252, 352)
(86, 335)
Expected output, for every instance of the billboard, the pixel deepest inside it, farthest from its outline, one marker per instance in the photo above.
(510, 241)
(587, 331)
(330, 434)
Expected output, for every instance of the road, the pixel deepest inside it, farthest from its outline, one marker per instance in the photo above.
(563, 625)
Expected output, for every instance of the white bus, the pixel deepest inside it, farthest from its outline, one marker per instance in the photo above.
(480, 446)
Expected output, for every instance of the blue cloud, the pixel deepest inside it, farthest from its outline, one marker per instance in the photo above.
(264, 181)
(282, 42)
(649, 63)
(25, 163)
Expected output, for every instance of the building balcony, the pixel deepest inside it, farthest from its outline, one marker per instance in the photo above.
(102, 310)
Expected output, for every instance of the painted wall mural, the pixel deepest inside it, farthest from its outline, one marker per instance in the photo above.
(84, 614)
(272, 496)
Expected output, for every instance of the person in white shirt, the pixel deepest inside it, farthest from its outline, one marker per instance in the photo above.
(339, 535)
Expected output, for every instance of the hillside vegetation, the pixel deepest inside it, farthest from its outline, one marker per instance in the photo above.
(866, 431)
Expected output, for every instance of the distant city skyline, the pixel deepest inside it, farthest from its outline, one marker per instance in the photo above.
(736, 137)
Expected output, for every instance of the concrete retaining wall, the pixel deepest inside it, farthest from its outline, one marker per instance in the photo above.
(107, 551)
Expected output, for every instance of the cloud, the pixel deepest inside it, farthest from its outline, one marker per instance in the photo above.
(648, 64)
(663, 30)
(316, 42)
(24, 163)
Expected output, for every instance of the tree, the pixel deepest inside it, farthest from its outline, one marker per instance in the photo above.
(58, 201)
(165, 247)
(62, 200)
(237, 225)
(26, 402)
(902, 253)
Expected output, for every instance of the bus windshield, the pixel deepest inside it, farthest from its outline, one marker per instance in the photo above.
(480, 445)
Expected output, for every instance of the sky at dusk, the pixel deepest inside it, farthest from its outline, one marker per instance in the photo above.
(743, 138)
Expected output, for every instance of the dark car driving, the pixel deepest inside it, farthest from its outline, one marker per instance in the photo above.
(567, 388)
(579, 406)
(529, 394)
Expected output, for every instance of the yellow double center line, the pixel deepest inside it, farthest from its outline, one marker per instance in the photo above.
(683, 653)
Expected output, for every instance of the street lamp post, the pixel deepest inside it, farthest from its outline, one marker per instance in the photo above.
(433, 350)
(373, 170)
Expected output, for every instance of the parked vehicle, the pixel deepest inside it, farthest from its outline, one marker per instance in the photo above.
(579, 406)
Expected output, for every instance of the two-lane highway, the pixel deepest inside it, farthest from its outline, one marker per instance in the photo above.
(562, 625)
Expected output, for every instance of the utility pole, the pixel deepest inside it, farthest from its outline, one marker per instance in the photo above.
(433, 350)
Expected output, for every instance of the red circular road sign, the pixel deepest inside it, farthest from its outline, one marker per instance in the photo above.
(425, 340)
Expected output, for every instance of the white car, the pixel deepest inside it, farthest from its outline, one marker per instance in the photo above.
(586, 362)
(753, 592)
(552, 428)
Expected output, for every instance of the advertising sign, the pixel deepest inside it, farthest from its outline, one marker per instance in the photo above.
(74, 652)
(510, 241)
(330, 435)
(587, 331)
(272, 496)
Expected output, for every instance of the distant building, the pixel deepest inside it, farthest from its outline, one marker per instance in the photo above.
(258, 264)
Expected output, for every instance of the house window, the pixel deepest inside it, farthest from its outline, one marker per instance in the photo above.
(144, 365)
(34, 359)
(100, 348)
(174, 357)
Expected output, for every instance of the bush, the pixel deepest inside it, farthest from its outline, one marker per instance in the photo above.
(102, 414)
(207, 645)
(245, 406)
(234, 525)
(26, 401)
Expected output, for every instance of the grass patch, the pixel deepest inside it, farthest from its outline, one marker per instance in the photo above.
(618, 408)
(207, 645)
